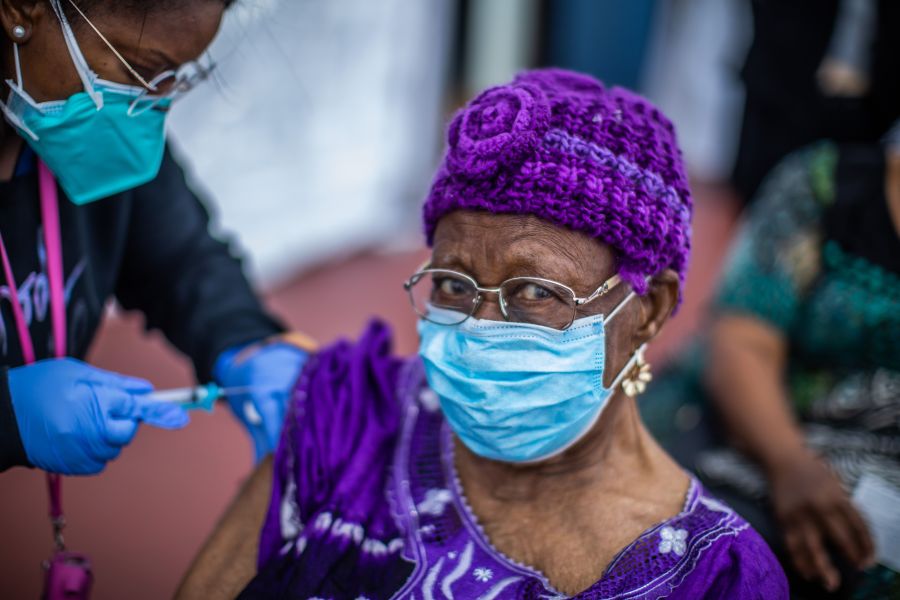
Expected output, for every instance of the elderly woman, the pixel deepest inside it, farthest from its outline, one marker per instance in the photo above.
(508, 460)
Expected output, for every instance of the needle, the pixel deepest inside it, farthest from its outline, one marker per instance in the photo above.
(201, 396)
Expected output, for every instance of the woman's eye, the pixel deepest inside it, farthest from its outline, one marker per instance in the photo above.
(451, 287)
(147, 70)
(533, 291)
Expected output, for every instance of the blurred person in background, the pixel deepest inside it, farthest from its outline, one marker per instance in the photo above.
(792, 402)
(508, 460)
(816, 69)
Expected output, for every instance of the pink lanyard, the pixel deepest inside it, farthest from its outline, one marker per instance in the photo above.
(53, 245)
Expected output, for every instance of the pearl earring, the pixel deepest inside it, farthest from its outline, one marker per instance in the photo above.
(18, 32)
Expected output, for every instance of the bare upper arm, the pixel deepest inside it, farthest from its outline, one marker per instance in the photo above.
(227, 561)
(738, 338)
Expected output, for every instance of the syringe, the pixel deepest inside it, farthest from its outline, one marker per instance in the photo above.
(197, 397)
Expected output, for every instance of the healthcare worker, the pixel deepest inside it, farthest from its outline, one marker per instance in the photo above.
(93, 206)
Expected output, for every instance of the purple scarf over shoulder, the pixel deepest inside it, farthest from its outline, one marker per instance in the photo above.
(366, 504)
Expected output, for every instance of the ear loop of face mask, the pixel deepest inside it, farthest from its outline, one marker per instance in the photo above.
(85, 73)
(637, 353)
(18, 87)
(87, 76)
(615, 383)
(73, 45)
(81, 67)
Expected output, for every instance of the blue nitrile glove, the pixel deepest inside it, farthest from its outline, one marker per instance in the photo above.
(269, 370)
(74, 418)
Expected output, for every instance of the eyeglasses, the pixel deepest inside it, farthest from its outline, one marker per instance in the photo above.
(168, 86)
(172, 85)
(532, 300)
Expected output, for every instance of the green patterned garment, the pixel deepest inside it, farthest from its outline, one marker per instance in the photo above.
(839, 312)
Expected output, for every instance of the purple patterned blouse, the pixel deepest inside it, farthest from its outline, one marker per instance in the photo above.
(366, 504)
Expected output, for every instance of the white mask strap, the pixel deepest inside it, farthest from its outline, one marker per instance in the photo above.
(628, 366)
(15, 120)
(637, 353)
(112, 48)
(19, 81)
(624, 301)
(616, 310)
(84, 71)
(10, 115)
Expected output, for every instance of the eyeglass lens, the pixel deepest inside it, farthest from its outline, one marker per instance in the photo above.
(171, 85)
(444, 290)
(526, 300)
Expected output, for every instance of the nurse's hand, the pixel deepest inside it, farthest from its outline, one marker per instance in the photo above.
(267, 371)
(74, 418)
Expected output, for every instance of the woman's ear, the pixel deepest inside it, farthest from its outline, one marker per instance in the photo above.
(657, 305)
(18, 18)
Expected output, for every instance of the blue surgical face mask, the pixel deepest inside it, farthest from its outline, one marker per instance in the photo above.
(94, 142)
(516, 392)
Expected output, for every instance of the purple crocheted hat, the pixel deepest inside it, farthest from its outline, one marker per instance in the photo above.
(561, 146)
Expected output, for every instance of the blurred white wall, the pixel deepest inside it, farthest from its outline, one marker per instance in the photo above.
(320, 130)
(501, 41)
(692, 73)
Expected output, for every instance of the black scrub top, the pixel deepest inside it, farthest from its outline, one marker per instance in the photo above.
(150, 248)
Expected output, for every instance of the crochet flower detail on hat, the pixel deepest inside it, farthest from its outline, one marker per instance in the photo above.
(499, 129)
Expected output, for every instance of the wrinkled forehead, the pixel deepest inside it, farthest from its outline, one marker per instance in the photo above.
(492, 247)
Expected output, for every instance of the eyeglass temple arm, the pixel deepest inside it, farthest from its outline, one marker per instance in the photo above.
(109, 45)
(419, 269)
(604, 288)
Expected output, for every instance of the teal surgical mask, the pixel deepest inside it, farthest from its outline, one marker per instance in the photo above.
(97, 142)
(517, 392)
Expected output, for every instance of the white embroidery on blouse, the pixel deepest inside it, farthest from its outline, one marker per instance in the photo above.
(323, 521)
(673, 540)
(483, 574)
(431, 579)
(289, 513)
(300, 545)
(374, 547)
(465, 561)
(715, 505)
(348, 530)
(499, 587)
(429, 400)
(436, 500)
